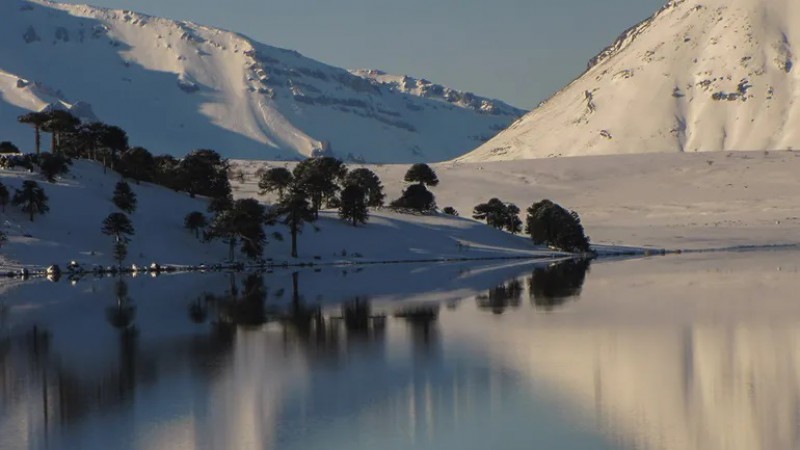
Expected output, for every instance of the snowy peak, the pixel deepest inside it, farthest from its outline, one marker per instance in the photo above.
(700, 75)
(176, 86)
(426, 89)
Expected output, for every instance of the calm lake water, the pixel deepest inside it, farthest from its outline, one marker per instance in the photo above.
(679, 352)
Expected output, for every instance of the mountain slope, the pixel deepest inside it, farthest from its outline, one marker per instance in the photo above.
(700, 75)
(177, 86)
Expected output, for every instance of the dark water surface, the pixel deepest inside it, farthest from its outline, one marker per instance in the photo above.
(680, 352)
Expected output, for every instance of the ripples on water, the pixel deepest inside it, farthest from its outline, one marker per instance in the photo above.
(685, 352)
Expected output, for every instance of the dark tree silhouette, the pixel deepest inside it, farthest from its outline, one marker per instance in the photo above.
(417, 198)
(552, 286)
(500, 215)
(196, 222)
(124, 197)
(121, 316)
(422, 174)
(244, 222)
(204, 172)
(318, 178)
(294, 211)
(31, 199)
(58, 123)
(118, 226)
(550, 224)
(120, 251)
(111, 141)
(8, 148)
(276, 179)
(5, 197)
(353, 206)
(370, 183)
(36, 120)
(166, 172)
(501, 297)
(450, 211)
(52, 165)
(137, 164)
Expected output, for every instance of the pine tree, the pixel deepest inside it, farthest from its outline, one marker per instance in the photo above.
(35, 119)
(295, 211)
(318, 178)
(58, 123)
(244, 222)
(550, 224)
(277, 179)
(370, 183)
(120, 251)
(195, 221)
(124, 197)
(31, 199)
(353, 205)
(422, 174)
(52, 165)
(137, 164)
(416, 198)
(119, 226)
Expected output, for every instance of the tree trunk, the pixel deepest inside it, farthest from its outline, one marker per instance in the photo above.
(53, 144)
(38, 139)
(232, 246)
(294, 241)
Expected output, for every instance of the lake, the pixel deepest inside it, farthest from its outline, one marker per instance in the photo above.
(697, 351)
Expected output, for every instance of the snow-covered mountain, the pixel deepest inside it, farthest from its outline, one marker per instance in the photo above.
(177, 86)
(700, 75)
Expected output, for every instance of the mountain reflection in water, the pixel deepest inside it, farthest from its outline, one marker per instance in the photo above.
(690, 352)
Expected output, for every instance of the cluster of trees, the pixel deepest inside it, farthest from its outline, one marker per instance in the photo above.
(417, 197)
(500, 215)
(313, 184)
(546, 223)
(549, 223)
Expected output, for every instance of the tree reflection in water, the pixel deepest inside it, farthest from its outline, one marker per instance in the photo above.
(548, 287)
(554, 285)
(501, 297)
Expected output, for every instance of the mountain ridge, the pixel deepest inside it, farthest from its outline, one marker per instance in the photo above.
(698, 75)
(176, 86)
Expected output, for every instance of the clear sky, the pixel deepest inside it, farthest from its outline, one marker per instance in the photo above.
(520, 51)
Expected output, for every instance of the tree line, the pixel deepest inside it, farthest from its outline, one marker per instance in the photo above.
(313, 184)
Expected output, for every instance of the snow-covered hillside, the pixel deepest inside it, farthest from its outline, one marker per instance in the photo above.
(700, 75)
(79, 203)
(178, 86)
(687, 201)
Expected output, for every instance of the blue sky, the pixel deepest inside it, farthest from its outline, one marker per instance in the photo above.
(520, 51)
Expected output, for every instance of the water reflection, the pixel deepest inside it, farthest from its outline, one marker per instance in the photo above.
(686, 353)
(550, 287)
